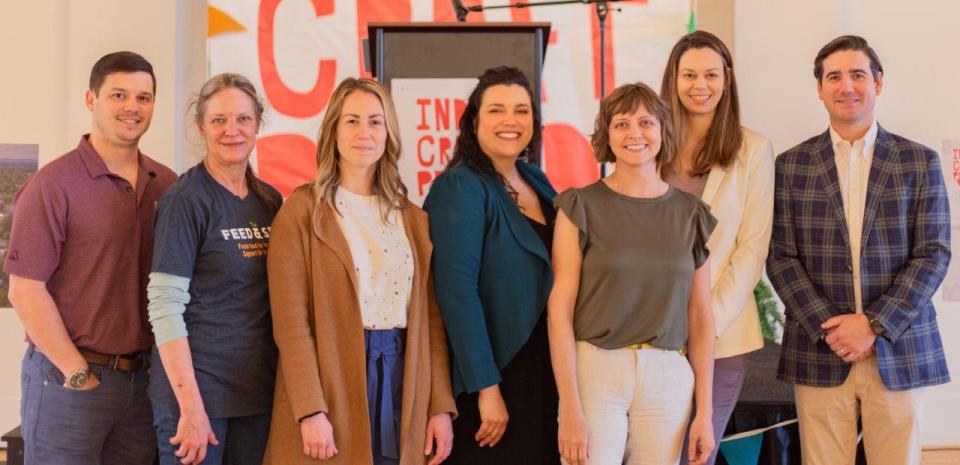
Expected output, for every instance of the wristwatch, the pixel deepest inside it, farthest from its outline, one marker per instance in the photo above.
(877, 327)
(78, 379)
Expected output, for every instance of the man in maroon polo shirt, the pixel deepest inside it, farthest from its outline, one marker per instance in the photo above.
(79, 255)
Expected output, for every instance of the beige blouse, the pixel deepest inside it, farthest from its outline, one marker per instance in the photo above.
(381, 257)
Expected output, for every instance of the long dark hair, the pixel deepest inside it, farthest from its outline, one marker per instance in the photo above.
(725, 136)
(467, 148)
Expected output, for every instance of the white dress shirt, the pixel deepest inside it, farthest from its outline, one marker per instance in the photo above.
(853, 172)
(382, 259)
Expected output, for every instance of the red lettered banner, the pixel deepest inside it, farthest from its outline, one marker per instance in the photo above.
(296, 51)
(950, 163)
(429, 111)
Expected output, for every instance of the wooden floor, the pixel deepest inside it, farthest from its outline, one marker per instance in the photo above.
(941, 456)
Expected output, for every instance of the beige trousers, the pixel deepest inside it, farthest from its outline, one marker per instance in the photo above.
(637, 403)
(828, 420)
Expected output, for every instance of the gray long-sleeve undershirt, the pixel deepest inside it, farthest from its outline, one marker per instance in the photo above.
(167, 297)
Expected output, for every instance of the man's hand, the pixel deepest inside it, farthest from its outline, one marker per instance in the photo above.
(92, 382)
(850, 336)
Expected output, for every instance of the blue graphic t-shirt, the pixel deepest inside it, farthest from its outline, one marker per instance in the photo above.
(219, 241)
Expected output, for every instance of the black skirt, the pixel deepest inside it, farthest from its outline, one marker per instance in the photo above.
(530, 393)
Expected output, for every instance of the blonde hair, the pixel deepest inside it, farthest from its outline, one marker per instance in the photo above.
(387, 185)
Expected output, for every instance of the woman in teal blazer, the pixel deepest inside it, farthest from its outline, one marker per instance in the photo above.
(491, 223)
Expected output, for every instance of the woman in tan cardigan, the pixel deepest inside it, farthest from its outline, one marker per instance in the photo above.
(363, 375)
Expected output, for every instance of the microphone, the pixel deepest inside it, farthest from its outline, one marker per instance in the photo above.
(460, 10)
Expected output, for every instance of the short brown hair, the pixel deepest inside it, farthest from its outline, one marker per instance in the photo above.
(849, 42)
(627, 99)
(119, 62)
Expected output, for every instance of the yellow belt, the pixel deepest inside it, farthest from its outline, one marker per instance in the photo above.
(647, 345)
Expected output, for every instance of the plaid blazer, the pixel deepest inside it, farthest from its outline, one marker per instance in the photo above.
(905, 252)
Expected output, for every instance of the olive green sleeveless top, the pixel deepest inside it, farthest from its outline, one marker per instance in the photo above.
(639, 255)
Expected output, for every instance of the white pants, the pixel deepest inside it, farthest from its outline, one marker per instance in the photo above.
(828, 420)
(636, 402)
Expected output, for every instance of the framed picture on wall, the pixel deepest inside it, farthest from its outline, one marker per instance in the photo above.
(17, 163)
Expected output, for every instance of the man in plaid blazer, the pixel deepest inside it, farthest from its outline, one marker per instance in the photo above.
(861, 241)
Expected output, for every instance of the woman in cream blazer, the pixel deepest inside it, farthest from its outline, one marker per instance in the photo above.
(732, 169)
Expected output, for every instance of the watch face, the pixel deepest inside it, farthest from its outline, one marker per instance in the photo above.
(78, 379)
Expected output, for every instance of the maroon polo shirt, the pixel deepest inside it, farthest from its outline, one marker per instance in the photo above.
(88, 234)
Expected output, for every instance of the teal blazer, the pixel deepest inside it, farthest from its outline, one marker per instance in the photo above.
(492, 271)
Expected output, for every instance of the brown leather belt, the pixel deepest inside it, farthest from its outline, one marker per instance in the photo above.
(126, 363)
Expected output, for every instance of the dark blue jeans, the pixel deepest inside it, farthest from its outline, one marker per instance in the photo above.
(109, 424)
(242, 439)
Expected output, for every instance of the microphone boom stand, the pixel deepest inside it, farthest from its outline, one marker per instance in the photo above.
(602, 8)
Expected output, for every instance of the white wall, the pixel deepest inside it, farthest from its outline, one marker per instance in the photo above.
(916, 41)
(48, 48)
(33, 90)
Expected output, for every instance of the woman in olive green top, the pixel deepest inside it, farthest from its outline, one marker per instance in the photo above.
(630, 296)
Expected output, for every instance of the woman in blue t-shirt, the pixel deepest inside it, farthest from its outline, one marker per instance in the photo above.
(215, 362)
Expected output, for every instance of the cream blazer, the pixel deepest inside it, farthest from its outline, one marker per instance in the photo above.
(741, 198)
